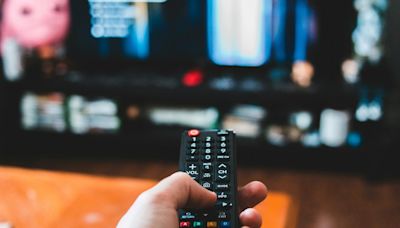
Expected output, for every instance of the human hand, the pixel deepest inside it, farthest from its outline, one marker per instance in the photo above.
(157, 207)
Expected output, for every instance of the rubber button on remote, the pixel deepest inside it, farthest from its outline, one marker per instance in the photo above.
(222, 173)
(198, 224)
(225, 224)
(207, 167)
(184, 224)
(193, 132)
(207, 158)
(193, 170)
(223, 215)
(222, 196)
(206, 185)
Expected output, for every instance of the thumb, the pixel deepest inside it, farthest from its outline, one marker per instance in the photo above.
(181, 191)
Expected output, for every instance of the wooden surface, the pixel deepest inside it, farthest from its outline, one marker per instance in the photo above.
(326, 200)
(45, 199)
(31, 198)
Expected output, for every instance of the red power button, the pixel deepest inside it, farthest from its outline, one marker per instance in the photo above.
(194, 133)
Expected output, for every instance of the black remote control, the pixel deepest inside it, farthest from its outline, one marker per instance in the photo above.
(209, 157)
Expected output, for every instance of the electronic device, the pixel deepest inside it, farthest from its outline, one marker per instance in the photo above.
(130, 37)
(210, 33)
(209, 157)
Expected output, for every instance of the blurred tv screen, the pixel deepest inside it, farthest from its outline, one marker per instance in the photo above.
(240, 33)
(228, 33)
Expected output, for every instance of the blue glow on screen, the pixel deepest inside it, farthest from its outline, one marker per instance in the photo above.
(239, 31)
(137, 42)
(279, 39)
(121, 19)
(301, 30)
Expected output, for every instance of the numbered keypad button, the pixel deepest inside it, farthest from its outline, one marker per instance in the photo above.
(208, 139)
(207, 145)
(207, 151)
(222, 145)
(207, 158)
(193, 151)
(222, 151)
(223, 139)
(193, 145)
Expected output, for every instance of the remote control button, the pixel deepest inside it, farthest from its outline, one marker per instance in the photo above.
(192, 158)
(223, 139)
(206, 185)
(192, 166)
(225, 224)
(222, 132)
(223, 157)
(212, 224)
(207, 151)
(222, 178)
(222, 173)
(221, 187)
(223, 215)
(224, 205)
(193, 139)
(223, 196)
(206, 215)
(193, 170)
(187, 215)
(207, 158)
(207, 167)
(207, 145)
(208, 139)
(206, 176)
(193, 145)
(198, 224)
(193, 132)
(192, 151)
(222, 145)
(184, 224)
(222, 151)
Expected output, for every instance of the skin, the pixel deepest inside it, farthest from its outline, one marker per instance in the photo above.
(158, 206)
(35, 23)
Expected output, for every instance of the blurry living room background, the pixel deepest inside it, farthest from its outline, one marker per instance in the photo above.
(106, 87)
(304, 83)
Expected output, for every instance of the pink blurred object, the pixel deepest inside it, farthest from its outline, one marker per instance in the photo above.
(34, 23)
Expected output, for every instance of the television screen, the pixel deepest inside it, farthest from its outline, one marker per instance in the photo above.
(222, 33)
(227, 33)
(137, 30)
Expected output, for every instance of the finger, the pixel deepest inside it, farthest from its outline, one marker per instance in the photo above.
(250, 218)
(181, 191)
(251, 194)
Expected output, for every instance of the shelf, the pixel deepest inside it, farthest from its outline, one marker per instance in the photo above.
(164, 144)
(270, 94)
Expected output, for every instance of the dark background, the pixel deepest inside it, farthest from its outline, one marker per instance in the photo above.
(336, 21)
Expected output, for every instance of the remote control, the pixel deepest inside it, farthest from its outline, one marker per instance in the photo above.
(209, 157)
